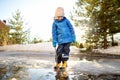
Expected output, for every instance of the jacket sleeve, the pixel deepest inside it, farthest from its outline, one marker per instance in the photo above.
(54, 35)
(72, 31)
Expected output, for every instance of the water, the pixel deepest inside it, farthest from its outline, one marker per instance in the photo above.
(15, 71)
(41, 74)
(23, 67)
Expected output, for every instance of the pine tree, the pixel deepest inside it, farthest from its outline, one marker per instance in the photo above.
(101, 17)
(17, 35)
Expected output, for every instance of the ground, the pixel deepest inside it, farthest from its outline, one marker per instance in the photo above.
(36, 62)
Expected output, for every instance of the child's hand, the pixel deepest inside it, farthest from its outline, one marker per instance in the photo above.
(73, 39)
(54, 44)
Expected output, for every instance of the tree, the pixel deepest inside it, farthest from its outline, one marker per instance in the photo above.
(82, 16)
(114, 18)
(17, 35)
(4, 35)
(35, 40)
(103, 18)
(109, 18)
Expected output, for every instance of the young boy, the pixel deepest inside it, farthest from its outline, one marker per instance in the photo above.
(63, 34)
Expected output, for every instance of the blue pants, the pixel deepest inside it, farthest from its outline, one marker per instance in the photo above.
(63, 52)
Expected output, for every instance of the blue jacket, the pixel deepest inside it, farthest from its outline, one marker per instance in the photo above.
(62, 32)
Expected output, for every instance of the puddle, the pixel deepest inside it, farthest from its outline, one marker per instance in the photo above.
(43, 70)
(21, 73)
(41, 74)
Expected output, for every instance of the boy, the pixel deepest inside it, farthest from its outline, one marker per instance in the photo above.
(63, 34)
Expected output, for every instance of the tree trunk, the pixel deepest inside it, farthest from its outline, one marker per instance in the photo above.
(112, 38)
(4, 43)
(105, 42)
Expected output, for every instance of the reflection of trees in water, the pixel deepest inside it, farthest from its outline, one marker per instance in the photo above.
(12, 71)
(2, 71)
(85, 76)
(61, 78)
(96, 77)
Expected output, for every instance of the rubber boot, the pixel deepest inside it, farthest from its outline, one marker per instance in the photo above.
(57, 66)
(64, 65)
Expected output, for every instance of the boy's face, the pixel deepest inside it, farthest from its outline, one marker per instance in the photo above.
(59, 17)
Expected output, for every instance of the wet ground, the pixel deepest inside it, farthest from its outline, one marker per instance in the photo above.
(39, 66)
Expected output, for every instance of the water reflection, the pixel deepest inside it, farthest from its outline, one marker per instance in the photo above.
(19, 72)
(41, 74)
(13, 72)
